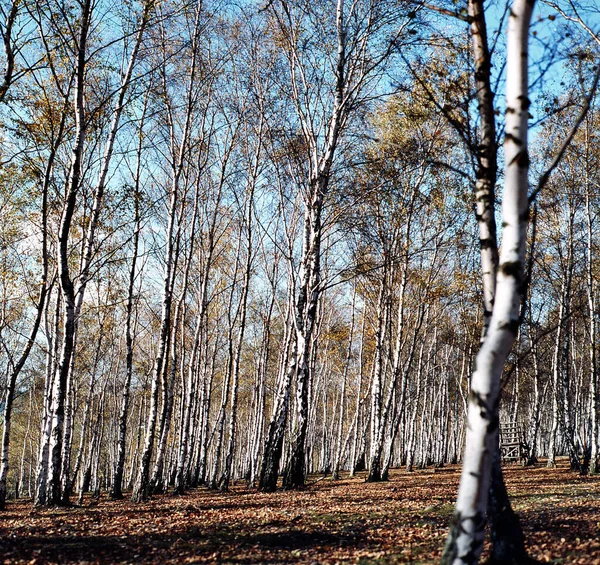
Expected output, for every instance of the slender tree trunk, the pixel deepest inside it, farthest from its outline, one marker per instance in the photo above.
(356, 423)
(305, 318)
(591, 291)
(26, 439)
(73, 304)
(45, 288)
(465, 540)
(70, 481)
(205, 400)
(117, 485)
(141, 489)
(536, 409)
(46, 424)
(12, 381)
(339, 447)
(377, 377)
(54, 495)
(556, 358)
(259, 419)
(228, 464)
(273, 448)
(412, 430)
(9, 49)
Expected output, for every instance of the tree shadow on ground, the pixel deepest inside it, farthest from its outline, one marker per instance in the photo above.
(228, 545)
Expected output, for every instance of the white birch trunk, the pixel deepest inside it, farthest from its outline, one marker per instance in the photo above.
(465, 540)
(591, 291)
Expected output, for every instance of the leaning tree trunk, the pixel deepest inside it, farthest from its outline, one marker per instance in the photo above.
(485, 214)
(45, 289)
(566, 405)
(536, 410)
(506, 535)
(559, 369)
(467, 532)
(260, 389)
(198, 353)
(10, 389)
(168, 389)
(556, 359)
(179, 152)
(26, 440)
(380, 425)
(200, 472)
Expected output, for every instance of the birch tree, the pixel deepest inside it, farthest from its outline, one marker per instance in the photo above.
(325, 98)
(465, 540)
(10, 13)
(53, 492)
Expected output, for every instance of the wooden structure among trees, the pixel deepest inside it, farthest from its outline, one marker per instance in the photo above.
(512, 443)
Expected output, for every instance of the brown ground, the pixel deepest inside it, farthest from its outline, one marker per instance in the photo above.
(402, 521)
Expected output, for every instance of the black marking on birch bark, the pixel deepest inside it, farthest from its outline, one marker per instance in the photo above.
(478, 399)
(525, 102)
(487, 243)
(511, 326)
(457, 528)
(493, 425)
(510, 137)
(521, 159)
(512, 269)
(479, 520)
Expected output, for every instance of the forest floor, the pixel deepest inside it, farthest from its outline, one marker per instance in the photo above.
(404, 520)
